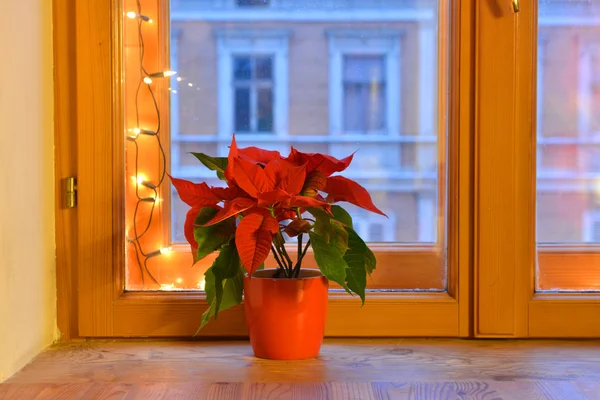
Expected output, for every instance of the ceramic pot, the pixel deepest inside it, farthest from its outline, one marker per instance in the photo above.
(286, 317)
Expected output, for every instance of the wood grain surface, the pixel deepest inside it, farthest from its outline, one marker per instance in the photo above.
(346, 369)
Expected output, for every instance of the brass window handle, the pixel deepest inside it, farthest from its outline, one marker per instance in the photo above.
(516, 6)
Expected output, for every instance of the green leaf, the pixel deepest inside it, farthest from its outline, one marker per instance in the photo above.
(339, 238)
(331, 230)
(213, 237)
(359, 247)
(226, 266)
(330, 260)
(232, 294)
(322, 226)
(213, 163)
(341, 215)
(360, 260)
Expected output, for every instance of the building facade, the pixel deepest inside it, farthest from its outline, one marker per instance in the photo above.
(340, 76)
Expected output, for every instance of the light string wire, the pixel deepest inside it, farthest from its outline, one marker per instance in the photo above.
(142, 256)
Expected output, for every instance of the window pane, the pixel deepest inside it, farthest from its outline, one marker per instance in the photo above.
(364, 69)
(242, 109)
(568, 137)
(264, 68)
(242, 69)
(265, 110)
(364, 94)
(336, 77)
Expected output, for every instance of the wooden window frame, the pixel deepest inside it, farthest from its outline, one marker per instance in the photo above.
(505, 301)
(92, 301)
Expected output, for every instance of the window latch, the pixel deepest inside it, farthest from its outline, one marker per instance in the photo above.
(71, 192)
(516, 6)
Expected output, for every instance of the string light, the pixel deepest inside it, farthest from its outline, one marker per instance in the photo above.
(139, 179)
(161, 251)
(137, 232)
(134, 15)
(179, 280)
(139, 131)
(164, 74)
(143, 131)
(201, 284)
(166, 250)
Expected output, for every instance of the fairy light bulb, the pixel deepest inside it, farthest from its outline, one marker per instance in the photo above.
(141, 178)
(179, 79)
(162, 74)
(179, 280)
(161, 251)
(134, 15)
(147, 80)
(137, 131)
(166, 250)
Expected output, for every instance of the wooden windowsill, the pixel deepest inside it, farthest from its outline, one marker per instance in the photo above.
(346, 368)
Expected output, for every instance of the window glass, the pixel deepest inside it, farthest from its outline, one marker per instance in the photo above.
(568, 122)
(568, 145)
(337, 77)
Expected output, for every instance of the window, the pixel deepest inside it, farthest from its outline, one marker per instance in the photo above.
(253, 94)
(235, 69)
(306, 81)
(484, 74)
(365, 82)
(363, 94)
(591, 226)
(253, 82)
(568, 121)
(252, 3)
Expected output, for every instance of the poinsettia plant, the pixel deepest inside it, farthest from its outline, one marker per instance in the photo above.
(265, 195)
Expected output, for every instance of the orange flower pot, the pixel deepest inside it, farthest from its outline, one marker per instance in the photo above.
(286, 317)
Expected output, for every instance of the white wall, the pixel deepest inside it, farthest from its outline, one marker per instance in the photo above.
(27, 250)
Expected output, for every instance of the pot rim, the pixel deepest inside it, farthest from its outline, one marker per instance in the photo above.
(314, 274)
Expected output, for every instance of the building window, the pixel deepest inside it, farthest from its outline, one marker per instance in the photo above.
(364, 93)
(589, 108)
(252, 3)
(252, 83)
(253, 93)
(591, 226)
(589, 91)
(364, 86)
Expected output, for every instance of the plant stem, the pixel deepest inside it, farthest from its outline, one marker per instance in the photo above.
(279, 261)
(296, 271)
(283, 252)
(299, 258)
